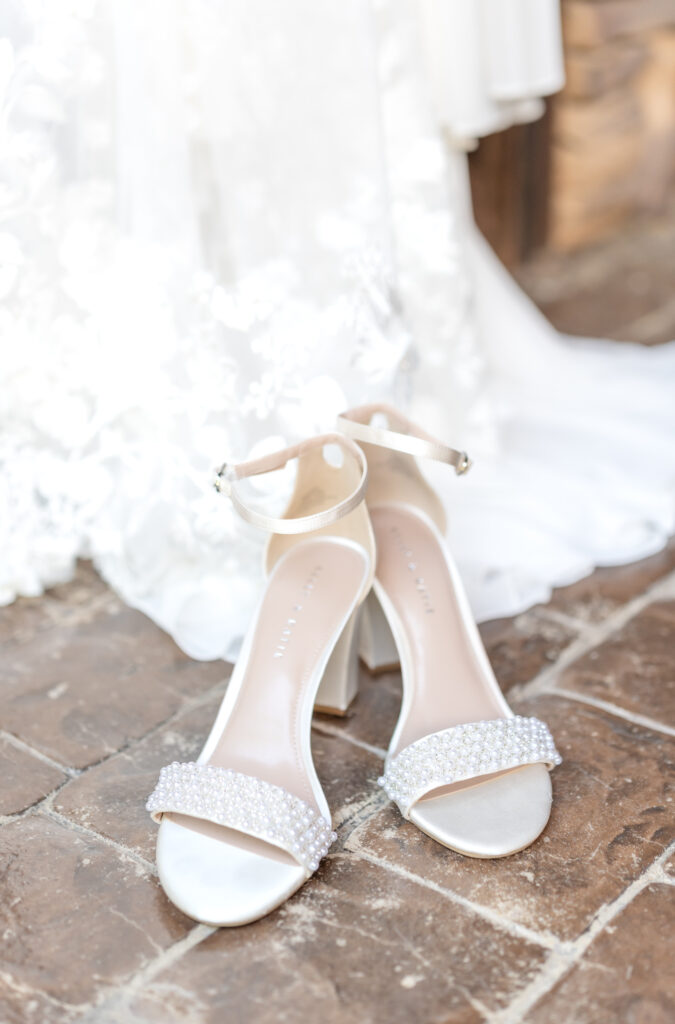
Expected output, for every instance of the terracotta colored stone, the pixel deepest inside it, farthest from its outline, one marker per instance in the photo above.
(612, 816)
(627, 972)
(520, 648)
(372, 716)
(608, 290)
(635, 668)
(590, 24)
(355, 944)
(80, 600)
(75, 917)
(607, 309)
(22, 1006)
(349, 777)
(594, 71)
(610, 114)
(598, 595)
(377, 934)
(81, 693)
(25, 779)
(110, 797)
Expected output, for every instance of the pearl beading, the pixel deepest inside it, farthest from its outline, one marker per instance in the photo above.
(244, 803)
(465, 752)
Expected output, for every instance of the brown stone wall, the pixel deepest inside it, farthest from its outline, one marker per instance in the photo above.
(613, 127)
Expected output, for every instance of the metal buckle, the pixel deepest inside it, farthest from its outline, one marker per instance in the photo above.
(463, 465)
(221, 481)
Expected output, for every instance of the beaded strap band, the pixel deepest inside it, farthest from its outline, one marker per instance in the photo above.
(466, 752)
(246, 804)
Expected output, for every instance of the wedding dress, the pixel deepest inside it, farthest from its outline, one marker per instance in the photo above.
(224, 223)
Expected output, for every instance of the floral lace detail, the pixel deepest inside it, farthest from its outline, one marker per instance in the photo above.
(212, 244)
(144, 341)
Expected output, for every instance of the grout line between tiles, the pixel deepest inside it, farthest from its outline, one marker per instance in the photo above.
(75, 773)
(90, 833)
(567, 955)
(27, 993)
(593, 636)
(543, 939)
(31, 809)
(662, 877)
(26, 748)
(613, 709)
(563, 619)
(328, 730)
(365, 809)
(189, 704)
(114, 1006)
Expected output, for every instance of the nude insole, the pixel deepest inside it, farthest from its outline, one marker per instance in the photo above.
(448, 683)
(310, 594)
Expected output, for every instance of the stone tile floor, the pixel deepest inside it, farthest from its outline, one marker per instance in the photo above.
(621, 288)
(393, 927)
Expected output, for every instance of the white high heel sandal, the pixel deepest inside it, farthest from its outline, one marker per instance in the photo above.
(461, 765)
(247, 824)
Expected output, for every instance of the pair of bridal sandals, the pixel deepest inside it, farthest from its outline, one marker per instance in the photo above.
(357, 564)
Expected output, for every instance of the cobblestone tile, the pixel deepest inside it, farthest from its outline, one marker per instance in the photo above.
(623, 303)
(635, 668)
(25, 779)
(594, 598)
(356, 944)
(612, 816)
(372, 716)
(520, 648)
(619, 289)
(80, 600)
(75, 917)
(110, 797)
(347, 773)
(20, 1005)
(370, 938)
(80, 693)
(625, 975)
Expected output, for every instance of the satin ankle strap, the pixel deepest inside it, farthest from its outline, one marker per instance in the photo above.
(227, 476)
(409, 439)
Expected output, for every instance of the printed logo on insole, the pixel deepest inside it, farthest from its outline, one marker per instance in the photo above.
(413, 568)
(296, 612)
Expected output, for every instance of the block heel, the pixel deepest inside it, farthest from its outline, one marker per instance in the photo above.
(377, 648)
(340, 682)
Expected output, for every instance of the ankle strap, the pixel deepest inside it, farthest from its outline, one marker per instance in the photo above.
(227, 476)
(408, 438)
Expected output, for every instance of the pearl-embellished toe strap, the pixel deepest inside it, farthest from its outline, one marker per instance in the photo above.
(246, 804)
(466, 752)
